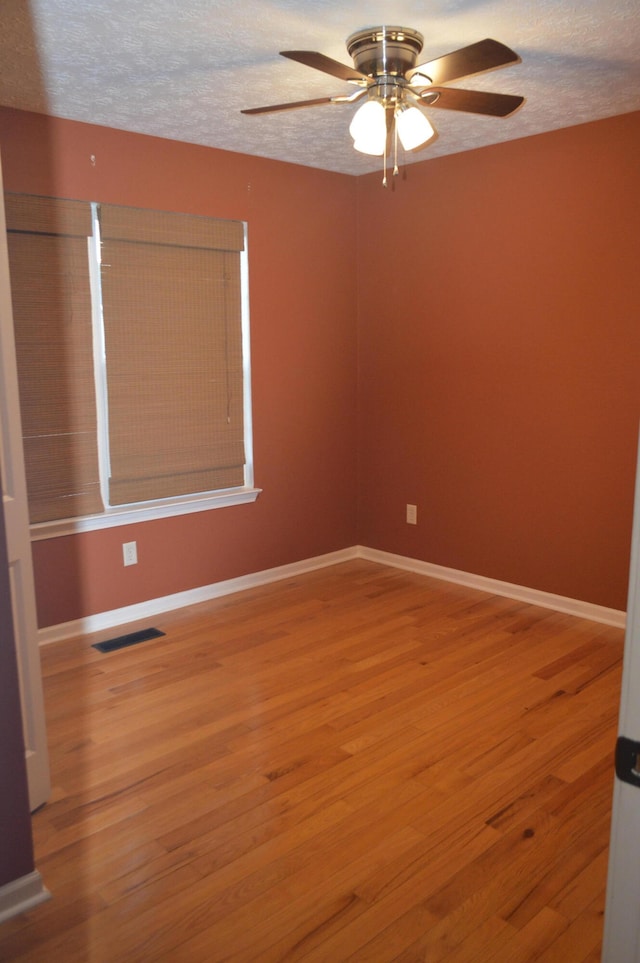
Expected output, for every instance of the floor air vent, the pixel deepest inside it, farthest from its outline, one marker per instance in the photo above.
(125, 640)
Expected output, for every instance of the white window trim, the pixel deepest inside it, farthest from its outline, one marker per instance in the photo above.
(164, 507)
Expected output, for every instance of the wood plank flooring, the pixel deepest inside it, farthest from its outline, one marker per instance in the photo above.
(359, 764)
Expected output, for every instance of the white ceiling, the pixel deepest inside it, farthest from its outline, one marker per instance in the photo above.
(183, 69)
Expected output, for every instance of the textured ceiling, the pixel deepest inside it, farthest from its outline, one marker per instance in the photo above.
(183, 69)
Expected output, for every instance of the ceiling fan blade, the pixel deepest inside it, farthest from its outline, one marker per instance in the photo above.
(312, 59)
(291, 106)
(483, 55)
(473, 101)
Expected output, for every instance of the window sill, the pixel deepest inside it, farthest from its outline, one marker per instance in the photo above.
(114, 517)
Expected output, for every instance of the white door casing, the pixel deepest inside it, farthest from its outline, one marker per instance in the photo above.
(14, 499)
(621, 943)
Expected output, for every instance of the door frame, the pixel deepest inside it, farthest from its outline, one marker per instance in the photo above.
(14, 498)
(621, 940)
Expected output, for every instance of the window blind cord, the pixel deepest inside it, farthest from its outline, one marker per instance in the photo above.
(227, 279)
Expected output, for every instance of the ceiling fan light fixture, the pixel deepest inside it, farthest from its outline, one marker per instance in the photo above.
(386, 72)
(370, 146)
(369, 128)
(413, 128)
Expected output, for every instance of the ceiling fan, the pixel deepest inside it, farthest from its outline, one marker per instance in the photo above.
(395, 87)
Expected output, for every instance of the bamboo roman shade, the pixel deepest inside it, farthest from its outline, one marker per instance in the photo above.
(47, 240)
(172, 321)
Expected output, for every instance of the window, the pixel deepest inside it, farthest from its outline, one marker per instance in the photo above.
(132, 345)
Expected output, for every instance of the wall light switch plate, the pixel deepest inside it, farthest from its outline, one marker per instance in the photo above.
(412, 514)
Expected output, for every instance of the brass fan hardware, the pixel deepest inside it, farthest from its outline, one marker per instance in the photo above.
(396, 88)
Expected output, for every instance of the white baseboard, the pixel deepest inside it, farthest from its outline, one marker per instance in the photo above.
(559, 603)
(147, 610)
(21, 895)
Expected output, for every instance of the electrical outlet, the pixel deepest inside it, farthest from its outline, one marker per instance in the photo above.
(412, 514)
(130, 553)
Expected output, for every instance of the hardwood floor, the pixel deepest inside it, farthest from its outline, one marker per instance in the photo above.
(359, 764)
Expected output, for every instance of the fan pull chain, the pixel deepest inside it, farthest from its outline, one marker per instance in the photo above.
(395, 146)
(384, 61)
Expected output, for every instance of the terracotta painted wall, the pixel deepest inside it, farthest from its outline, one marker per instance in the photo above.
(499, 360)
(497, 365)
(303, 301)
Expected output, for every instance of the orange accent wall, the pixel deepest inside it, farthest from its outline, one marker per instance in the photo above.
(499, 361)
(467, 342)
(302, 251)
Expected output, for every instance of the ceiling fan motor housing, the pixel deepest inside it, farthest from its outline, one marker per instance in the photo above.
(385, 52)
